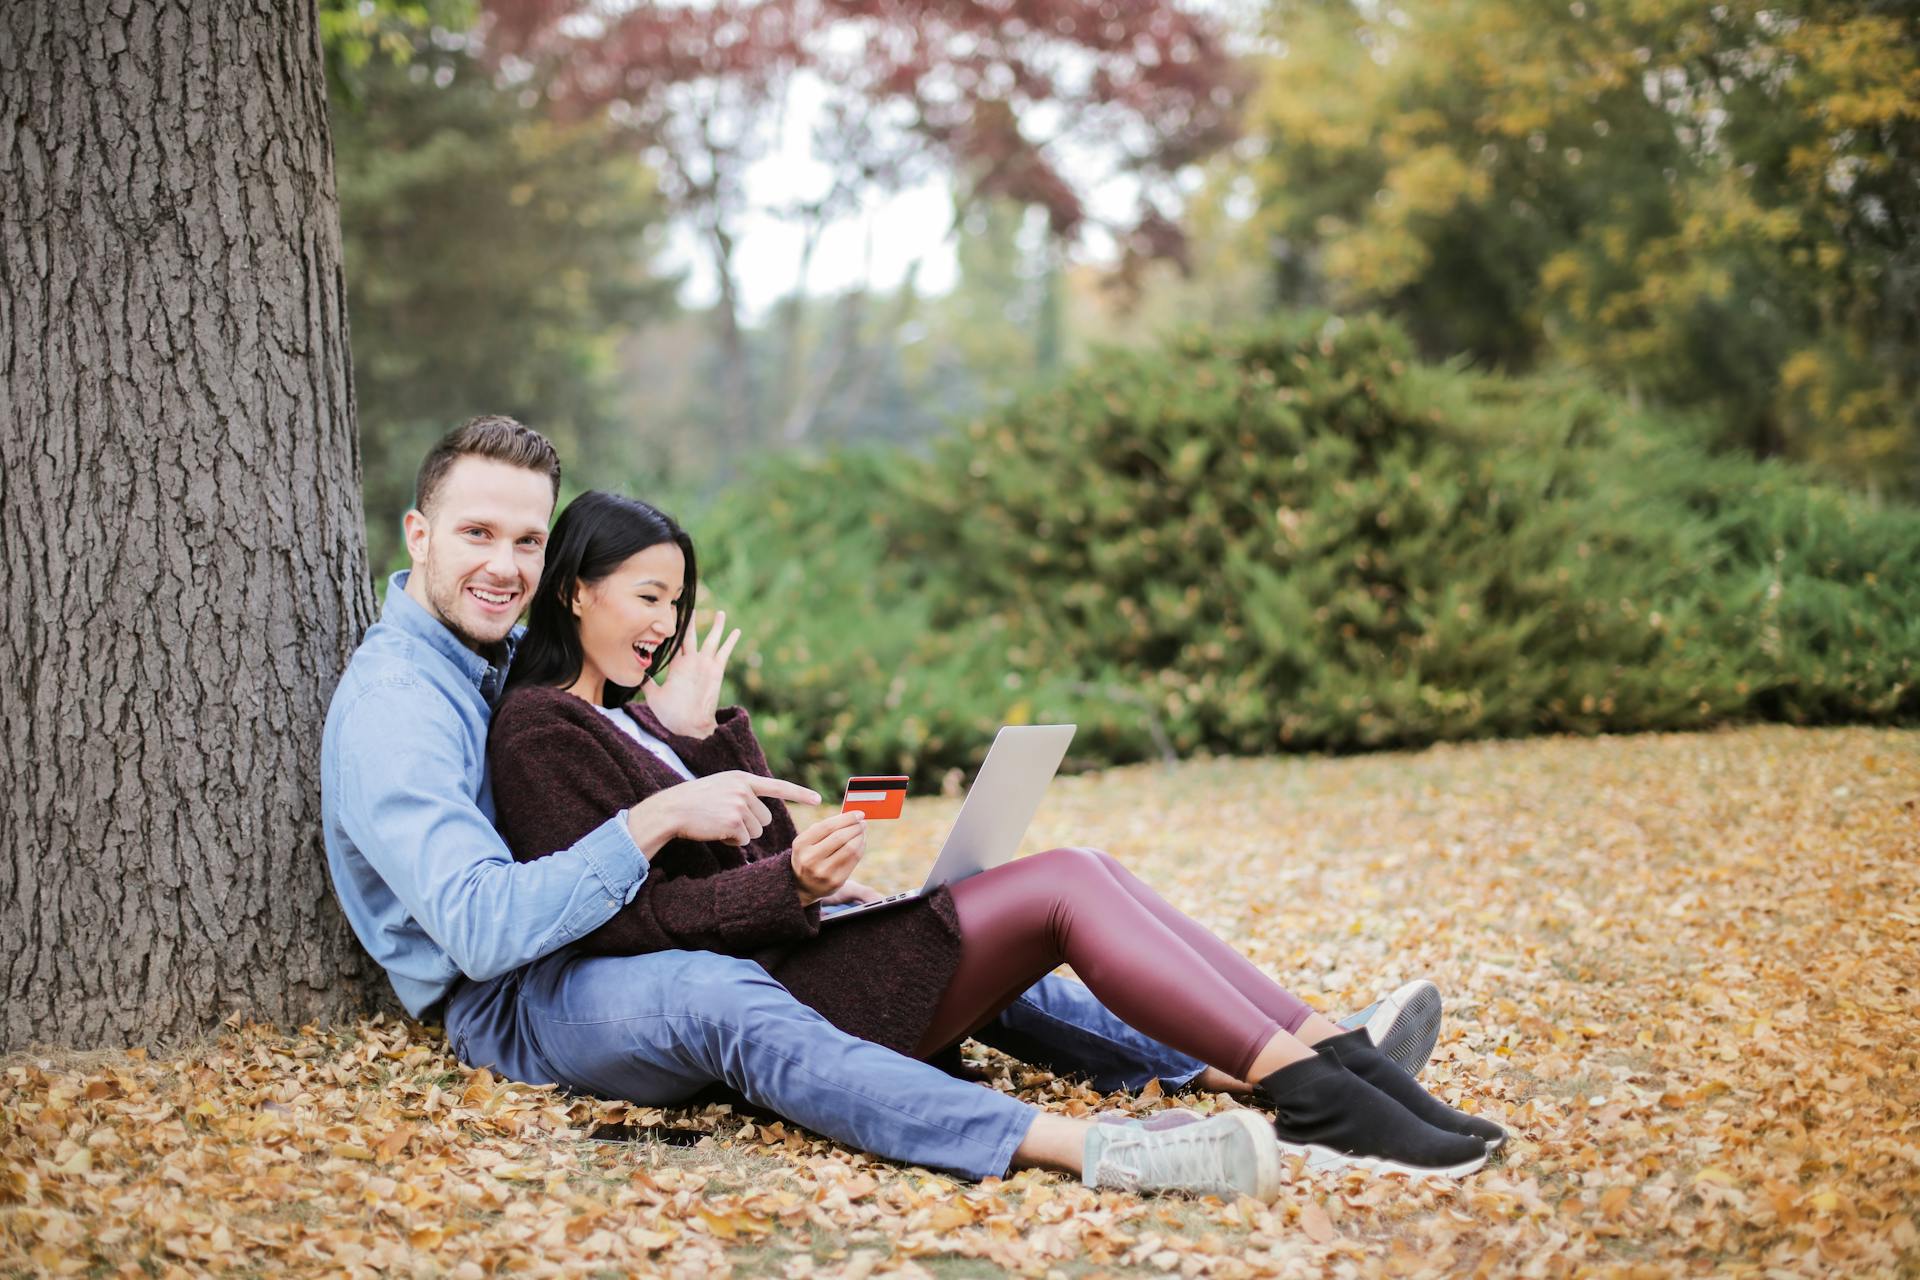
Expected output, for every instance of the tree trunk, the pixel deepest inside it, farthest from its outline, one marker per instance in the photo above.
(739, 402)
(184, 566)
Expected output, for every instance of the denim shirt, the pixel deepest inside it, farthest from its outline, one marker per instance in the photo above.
(428, 885)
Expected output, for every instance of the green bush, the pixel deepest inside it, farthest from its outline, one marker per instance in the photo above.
(1821, 591)
(1301, 538)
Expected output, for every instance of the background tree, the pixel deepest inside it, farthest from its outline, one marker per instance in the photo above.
(178, 499)
(495, 257)
(1033, 102)
(902, 365)
(1717, 206)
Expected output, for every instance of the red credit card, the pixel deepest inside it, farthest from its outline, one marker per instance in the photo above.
(877, 797)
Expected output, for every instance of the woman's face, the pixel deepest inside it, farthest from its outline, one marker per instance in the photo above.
(629, 614)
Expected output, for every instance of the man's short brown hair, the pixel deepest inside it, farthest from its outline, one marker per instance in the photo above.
(491, 435)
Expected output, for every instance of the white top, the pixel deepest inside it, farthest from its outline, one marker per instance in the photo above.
(631, 727)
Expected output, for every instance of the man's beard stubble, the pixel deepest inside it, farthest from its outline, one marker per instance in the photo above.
(446, 598)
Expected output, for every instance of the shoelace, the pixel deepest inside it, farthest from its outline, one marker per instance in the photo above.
(1195, 1161)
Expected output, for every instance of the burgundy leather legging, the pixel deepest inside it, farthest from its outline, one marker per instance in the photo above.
(1158, 970)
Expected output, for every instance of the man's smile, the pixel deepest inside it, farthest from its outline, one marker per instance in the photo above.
(493, 598)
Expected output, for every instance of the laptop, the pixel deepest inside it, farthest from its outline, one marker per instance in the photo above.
(999, 806)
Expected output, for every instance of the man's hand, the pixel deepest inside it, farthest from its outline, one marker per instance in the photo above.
(687, 699)
(826, 853)
(724, 806)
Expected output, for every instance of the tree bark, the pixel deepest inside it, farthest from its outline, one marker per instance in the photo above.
(184, 566)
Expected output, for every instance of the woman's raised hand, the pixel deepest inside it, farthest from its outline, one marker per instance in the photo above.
(826, 853)
(690, 695)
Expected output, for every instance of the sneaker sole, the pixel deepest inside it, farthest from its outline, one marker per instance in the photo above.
(1406, 1026)
(1325, 1159)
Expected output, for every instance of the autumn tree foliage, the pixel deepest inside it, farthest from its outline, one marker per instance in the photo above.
(1717, 206)
(1037, 101)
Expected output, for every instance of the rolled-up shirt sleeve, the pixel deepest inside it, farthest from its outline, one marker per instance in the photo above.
(407, 805)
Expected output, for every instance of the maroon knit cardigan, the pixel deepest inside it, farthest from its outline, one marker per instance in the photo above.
(560, 768)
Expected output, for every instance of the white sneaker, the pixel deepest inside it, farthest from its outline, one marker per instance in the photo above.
(1230, 1154)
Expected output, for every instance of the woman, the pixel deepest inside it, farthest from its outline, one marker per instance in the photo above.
(570, 745)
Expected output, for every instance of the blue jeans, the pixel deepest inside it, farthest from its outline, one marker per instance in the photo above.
(655, 1029)
(1059, 1025)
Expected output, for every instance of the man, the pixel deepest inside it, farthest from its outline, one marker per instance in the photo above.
(468, 934)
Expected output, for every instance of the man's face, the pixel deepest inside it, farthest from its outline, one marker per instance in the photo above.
(478, 553)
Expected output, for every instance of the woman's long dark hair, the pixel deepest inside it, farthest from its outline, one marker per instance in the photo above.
(594, 536)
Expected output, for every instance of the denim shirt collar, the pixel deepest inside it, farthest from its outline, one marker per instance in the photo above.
(402, 612)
